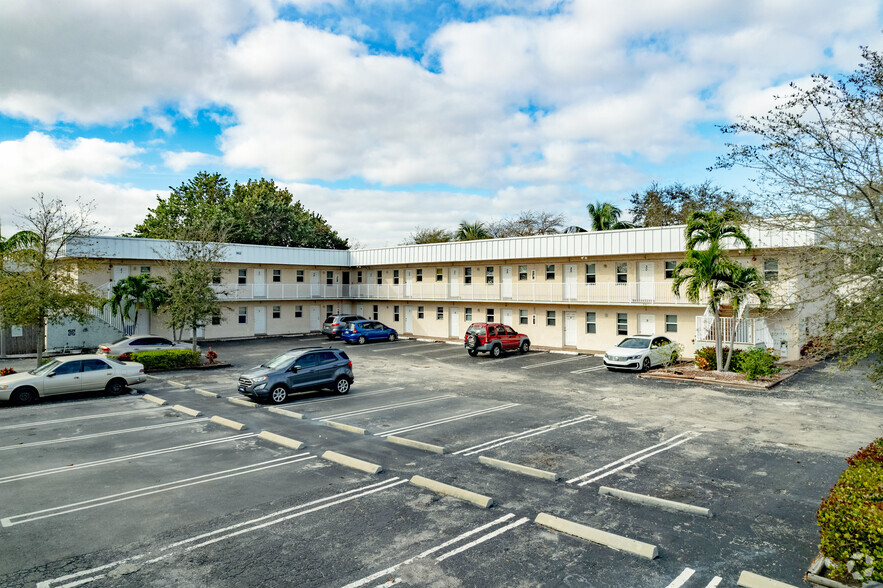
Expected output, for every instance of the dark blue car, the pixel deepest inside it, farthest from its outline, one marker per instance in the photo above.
(362, 331)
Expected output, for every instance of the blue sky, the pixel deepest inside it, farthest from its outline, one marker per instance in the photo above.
(386, 116)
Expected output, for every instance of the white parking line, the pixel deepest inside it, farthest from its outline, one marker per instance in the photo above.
(444, 420)
(628, 460)
(347, 397)
(92, 464)
(409, 346)
(555, 362)
(105, 434)
(714, 582)
(591, 369)
(682, 578)
(480, 540)
(447, 351)
(149, 490)
(79, 418)
(190, 544)
(387, 407)
(523, 435)
(428, 552)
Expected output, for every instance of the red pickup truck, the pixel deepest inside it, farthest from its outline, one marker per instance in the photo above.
(494, 338)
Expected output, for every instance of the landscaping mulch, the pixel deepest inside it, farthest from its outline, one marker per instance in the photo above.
(688, 371)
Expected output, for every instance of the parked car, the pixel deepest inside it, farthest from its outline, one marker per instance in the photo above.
(335, 324)
(296, 371)
(71, 374)
(640, 352)
(138, 343)
(362, 331)
(494, 338)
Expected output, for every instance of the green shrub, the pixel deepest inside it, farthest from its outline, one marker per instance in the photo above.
(706, 358)
(873, 452)
(167, 359)
(757, 362)
(851, 522)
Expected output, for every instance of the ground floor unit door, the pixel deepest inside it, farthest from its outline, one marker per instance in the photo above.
(315, 324)
(507, 316)
(454, 330)
(409, 319)
(646, 324)
(260, 320)
(570, 329)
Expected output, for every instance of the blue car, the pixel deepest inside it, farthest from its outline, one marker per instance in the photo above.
(362, 331)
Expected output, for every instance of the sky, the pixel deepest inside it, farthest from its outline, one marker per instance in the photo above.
(385, 116)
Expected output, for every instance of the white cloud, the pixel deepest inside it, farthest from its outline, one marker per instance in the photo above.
(179, 161)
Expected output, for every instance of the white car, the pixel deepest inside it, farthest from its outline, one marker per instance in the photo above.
(71, 374)
(138, 343)
(640, 352)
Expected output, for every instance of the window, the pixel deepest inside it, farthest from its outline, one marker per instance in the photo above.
(522, 273)
(420, 312)
(379, 276)
(277, 312)
(591, 326)
(376, 312)
(395, 277)
(216, 278)
(277, 275)
(550, 271)
(590, 273)
(359, 277)
(419, 275)
(216, 319)
(68, 367)
(298, 311)
(622, 323)
(489, 275)
(395, 314)
(522, 317)
(439, 274)
(94, 365)
(622, 272)
(671, 323)
(771, 270)
(145, 270)
(670, 269)
(468, 315)
(550, 318)
(490, 315)
(439, 313)
(329, 278)
(242, 276)
(299, 276)
(243, 315)
(467, 275)
(329, 310)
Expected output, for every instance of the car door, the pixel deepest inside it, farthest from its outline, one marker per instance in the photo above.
(326, 365)
(63, 379)
(493, 334)
(373, 332)
(95, 375)
(510, 338)
(658, 348)
(304, 375)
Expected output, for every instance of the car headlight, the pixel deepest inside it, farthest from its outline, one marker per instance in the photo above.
(606, 356)
(260, 387)
(634, 357)
(3, 387)
(260, 379)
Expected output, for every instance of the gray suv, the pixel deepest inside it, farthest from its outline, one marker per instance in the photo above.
(296, 371)
(335, 324)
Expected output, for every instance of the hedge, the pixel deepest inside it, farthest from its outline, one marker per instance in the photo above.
(166, 359)
(851, 518)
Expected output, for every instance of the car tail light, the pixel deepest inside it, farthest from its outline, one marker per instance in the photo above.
(335, 324)
(105, 350)
(141, 371)
(350, 364)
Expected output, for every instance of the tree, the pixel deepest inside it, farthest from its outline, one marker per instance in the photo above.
(257, 212)
(605, 217)
(471, 231)
(741, 285)
(816, 163)
(44, 288)
(17, 242)
(711, 228)
(138, 292)
(424, 235)
(673, 205)
(528, 223)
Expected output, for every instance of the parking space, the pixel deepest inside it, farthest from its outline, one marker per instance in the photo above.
(136, 494)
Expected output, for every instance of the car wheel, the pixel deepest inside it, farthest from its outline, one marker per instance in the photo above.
(471, 342)
(472, 352)
(525, 346)
(392, 337)
(361, 340)
(646, 365)
(24, 396)
(342, 385)
(496, 351)
(330, 337)
(115, 387)
(278, 394)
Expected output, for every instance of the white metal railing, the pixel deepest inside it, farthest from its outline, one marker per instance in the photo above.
(112, 318)
(750, 331)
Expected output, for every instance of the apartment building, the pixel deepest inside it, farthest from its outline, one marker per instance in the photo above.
(581, 291)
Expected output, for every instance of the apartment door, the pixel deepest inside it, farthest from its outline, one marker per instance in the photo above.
(507, 316)
(454, 282)
(314, 284)
(506, 286)
(646, 324)
(454, 330)
(645, 281)
(260, 283)
(315, 323)
(345, 285)
(360, 309)
(143, 326)
(409, 319)
(345, 308)
(570, 329)
(409, 278)
(569, 281)
(260, 320)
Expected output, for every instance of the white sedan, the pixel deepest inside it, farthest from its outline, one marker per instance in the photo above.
(640, 352)
(71, 374)
(139, 343)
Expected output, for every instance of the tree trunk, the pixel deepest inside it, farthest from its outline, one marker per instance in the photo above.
(736, 323)
(718, 340)
(41, 342)
(193, 339)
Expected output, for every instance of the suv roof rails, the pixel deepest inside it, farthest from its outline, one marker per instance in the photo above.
(305, 348)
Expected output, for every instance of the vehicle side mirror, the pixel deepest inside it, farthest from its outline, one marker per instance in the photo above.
(293, 369)
(50, 374)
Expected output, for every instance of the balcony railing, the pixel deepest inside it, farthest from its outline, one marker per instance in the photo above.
(750, 331)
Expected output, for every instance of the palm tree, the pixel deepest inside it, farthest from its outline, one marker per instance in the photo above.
(471, 231)
(605, 217)
(741, 284)
(140, 292)
(17, 242)
(713, 227)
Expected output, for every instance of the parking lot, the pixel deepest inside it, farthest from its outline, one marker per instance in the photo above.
(122, 491)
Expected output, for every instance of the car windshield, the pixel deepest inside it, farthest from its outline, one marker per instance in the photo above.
(280, 360)
(113, 360)
(633, 343)
(120, 340)
(45, 368)
(474, 330)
